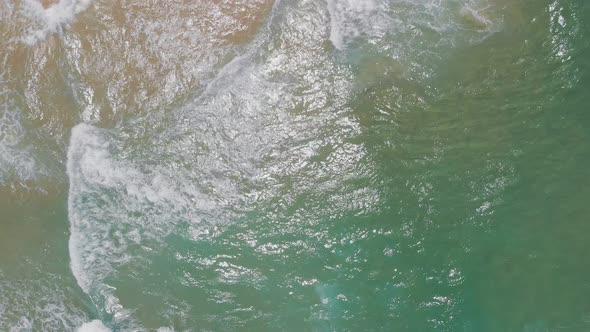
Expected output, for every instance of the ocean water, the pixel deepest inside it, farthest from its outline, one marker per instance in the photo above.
(286, 165)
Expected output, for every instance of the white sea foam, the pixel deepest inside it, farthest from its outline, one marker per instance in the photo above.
(405, 21)
(348, 18)
(52, 19)
(23, 324)
(118, 213)
(37, 305)
(94, 326)
(165, 329)
(93, 252)
(474, 18)
(16, 161)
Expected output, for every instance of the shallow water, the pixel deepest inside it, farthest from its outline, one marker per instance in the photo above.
(336, 165)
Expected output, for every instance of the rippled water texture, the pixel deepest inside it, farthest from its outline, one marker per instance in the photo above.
(329, 165)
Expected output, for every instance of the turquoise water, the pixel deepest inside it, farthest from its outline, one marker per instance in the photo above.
(341, 165)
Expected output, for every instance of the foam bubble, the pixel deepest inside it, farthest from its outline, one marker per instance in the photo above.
(94, 326)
